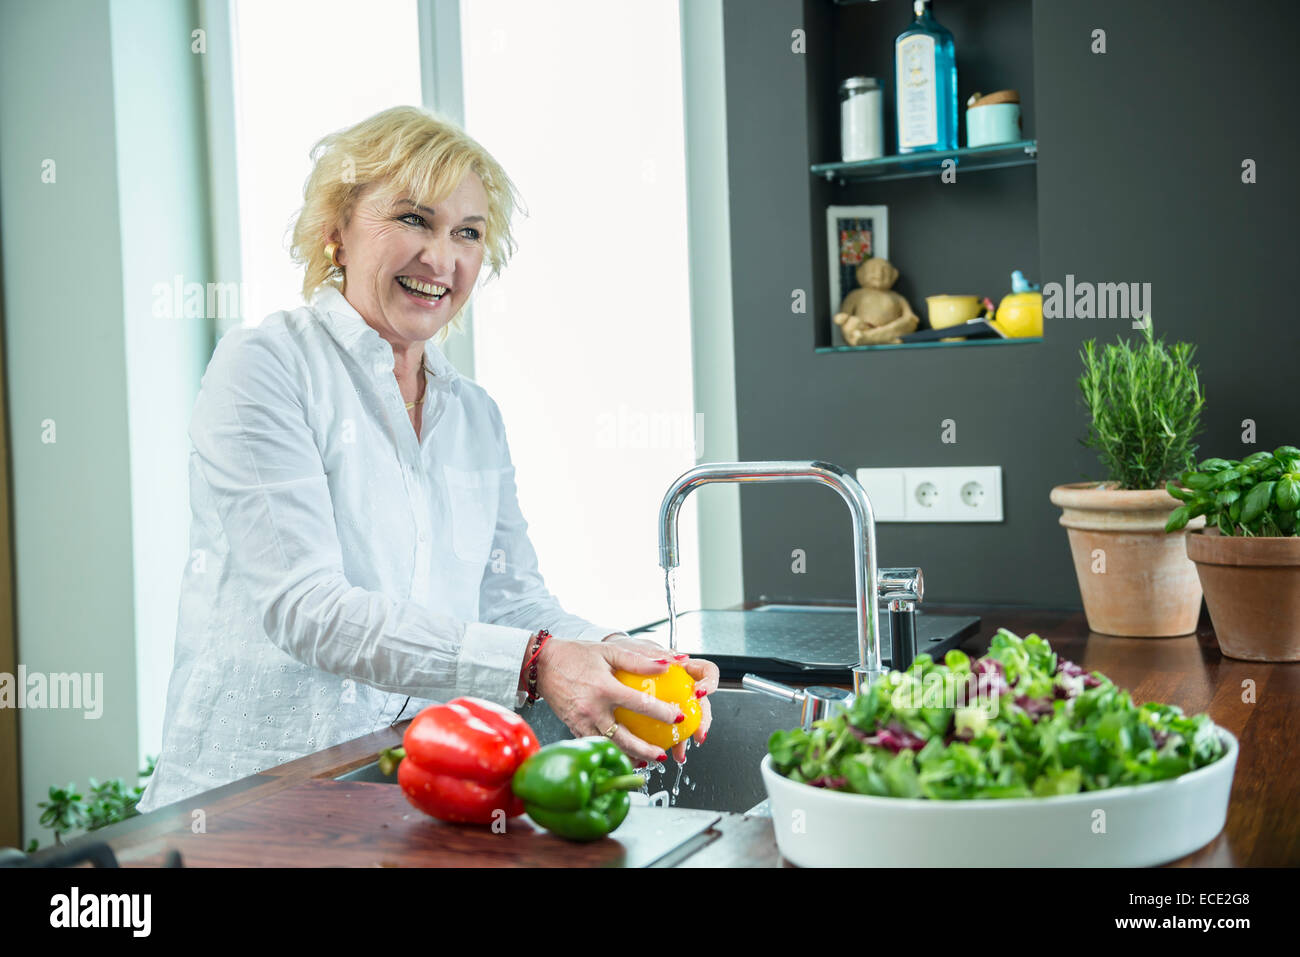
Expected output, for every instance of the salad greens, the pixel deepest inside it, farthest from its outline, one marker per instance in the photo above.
(1018, 722)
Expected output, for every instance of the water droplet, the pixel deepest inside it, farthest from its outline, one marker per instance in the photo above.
(677, 784)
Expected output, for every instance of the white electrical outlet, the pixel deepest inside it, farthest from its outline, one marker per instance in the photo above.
(884, 488)
(926, 495)
(952, 494)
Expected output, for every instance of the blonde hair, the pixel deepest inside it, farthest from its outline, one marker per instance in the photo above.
(417, 150)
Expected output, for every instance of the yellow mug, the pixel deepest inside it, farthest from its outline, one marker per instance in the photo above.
(948, 311)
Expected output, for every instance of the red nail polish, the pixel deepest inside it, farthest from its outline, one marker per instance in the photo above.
(641, 764)
(704, 736)
(662, 757)
(679, 719)
(681, 657)
(661, 661)
(700, 693)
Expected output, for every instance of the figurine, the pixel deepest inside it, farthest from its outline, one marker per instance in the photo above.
(874, 314)
(1020, 284)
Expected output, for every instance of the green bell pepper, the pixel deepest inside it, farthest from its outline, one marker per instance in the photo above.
(577, 789)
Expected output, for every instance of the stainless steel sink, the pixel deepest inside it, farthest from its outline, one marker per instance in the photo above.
(723, 772)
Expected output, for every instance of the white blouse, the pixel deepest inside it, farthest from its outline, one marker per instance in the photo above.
(338, 564)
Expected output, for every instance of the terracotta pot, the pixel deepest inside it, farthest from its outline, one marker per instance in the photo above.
(1136, 580)
(1252, 587)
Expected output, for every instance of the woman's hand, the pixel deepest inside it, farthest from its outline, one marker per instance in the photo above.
(704, 672)
(577, 680)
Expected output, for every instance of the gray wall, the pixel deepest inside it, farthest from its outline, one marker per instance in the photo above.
(65, 348)
(1138, 180)
(110, 91)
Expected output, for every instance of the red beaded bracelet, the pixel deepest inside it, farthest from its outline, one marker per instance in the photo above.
(542, 636)
(538, 640)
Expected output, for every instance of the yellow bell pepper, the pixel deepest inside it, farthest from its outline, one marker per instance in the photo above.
(675, 686)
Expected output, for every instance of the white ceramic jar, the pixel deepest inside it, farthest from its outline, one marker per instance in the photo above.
(862, 121)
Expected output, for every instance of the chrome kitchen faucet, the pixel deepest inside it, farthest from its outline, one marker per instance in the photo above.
(902, 587)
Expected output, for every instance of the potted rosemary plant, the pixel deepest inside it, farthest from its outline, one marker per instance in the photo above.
(1144, 404)
(1248, 555)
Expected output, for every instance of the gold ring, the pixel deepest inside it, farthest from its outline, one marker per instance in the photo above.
(612, 728)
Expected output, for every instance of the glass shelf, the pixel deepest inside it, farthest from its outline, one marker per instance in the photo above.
(910, 165)
(932, 345)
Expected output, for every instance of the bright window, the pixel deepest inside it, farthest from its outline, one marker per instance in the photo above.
(584, 340)
(304, 68)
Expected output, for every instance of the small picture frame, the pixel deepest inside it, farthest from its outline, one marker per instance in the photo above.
(853, 234)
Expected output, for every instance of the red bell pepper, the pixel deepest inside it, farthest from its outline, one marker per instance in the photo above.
(458, 759)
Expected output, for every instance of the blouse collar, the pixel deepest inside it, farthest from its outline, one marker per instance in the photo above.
(357, 336)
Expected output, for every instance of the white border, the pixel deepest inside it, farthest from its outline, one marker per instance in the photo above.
(879, 243)
(442, 87)
(713, 344)
(220, 97)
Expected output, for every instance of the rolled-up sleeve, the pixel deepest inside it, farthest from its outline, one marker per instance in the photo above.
(513, 592)
(256, 451)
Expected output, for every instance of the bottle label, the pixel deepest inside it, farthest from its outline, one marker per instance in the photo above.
(918, 105)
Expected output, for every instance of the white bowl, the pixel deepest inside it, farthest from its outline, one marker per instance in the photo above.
(1133, 826)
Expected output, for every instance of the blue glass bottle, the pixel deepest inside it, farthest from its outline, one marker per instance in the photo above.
(925, 74)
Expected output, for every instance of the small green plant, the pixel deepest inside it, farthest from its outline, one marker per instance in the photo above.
(1145, 404)
(1258, 496)
(67, 810)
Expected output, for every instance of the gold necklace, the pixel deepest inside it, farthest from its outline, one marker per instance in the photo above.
(424, 364)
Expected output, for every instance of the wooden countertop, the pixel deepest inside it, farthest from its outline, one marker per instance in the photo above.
(297, 815)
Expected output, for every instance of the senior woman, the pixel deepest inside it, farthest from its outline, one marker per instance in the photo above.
(357, 549)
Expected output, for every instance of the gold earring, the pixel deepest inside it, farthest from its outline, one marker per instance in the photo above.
(331, 250)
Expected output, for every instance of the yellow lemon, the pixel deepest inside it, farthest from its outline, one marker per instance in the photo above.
(675, 686)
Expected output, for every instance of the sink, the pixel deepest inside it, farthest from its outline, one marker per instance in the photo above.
(724, 772)
(802, 644)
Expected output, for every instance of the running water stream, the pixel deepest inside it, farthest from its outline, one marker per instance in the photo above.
(670, 585)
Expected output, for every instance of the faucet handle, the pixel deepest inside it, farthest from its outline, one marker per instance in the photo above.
(904, 583)
(817, 702)
(901, 588)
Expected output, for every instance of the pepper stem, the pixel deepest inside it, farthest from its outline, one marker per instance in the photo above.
(388, 759)
(624, 782)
